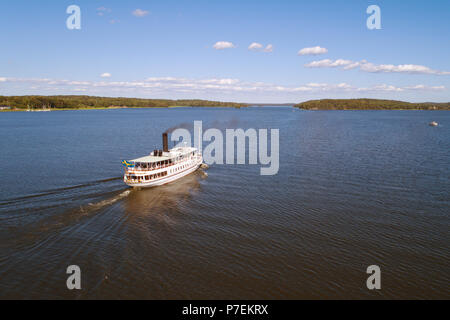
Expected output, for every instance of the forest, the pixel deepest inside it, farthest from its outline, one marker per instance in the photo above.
(369, 104)
(90, 102)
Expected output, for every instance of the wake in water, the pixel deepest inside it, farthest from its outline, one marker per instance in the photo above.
(56, 191)
(108, 202)
(52, 205)
(36, 223)
(34, 218)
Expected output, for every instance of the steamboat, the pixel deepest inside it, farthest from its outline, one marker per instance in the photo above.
(161, 166)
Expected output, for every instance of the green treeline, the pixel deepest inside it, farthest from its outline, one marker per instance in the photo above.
(83, 102)
(369, 104)
(90, 102)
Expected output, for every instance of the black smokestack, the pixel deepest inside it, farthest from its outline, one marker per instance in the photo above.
(165, 142)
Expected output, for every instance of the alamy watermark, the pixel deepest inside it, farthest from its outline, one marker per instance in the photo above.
(74, 280)
(73, 22)
(374, 280)
(374, 20)
(235, 140)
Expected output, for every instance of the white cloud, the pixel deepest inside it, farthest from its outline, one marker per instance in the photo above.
(424, 87)
(383, 87)
(220, 81)
(217, 89)
(312, 51)
(164, 79)
(220, 45)
(140, 13)
(3, 79)
(327, 63)
(105, 75)
(77, 83)
(403, 68)
(269, 48)
(255, 46)
(374, 68)
(390, 88)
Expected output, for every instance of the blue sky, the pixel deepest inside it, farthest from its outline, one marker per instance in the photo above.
(200, 49)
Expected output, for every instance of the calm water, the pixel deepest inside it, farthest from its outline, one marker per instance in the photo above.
(355, 188)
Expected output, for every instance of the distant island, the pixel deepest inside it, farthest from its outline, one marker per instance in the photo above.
(369, 104)
(22, 103)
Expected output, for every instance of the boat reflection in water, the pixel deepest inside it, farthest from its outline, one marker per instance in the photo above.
(163, 199)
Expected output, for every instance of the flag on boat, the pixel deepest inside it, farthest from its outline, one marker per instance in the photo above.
(128, 164)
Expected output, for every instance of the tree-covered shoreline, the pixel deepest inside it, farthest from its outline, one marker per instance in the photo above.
(369, 104)
(74, 102)
(18, 103)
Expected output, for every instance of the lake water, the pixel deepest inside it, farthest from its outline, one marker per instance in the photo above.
(354, 189)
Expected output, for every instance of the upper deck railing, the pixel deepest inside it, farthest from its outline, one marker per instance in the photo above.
(158, 167)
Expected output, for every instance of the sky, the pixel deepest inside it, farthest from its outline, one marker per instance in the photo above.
(265, 51)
